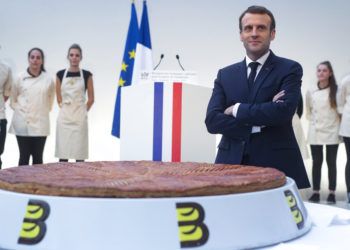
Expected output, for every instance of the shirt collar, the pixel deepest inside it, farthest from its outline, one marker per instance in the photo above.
(29, 75)
(261, 60)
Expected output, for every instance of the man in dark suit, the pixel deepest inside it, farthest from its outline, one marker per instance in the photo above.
(253, 103)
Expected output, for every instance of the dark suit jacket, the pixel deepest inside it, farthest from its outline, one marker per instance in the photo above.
(275, 146)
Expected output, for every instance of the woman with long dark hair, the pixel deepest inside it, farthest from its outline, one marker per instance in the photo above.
(324, 122)
(343, 101)
(32, 96)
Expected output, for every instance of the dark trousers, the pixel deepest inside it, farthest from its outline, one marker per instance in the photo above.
(3, 124)
(31, 146)
(317, 160)
(347, 166)
(66, 160)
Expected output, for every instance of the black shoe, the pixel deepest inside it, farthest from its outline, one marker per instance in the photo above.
(315, 197)
(331, 198)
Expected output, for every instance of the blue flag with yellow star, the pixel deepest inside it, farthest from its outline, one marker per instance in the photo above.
(125, 78)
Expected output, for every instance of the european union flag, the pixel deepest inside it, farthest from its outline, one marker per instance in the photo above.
(125, 78)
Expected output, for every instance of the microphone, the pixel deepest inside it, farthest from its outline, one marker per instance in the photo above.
(160, 60)
(178, 60)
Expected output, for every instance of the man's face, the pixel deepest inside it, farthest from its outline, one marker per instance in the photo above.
(256, 35)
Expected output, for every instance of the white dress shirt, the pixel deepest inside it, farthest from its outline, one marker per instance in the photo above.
(32, 99)
(261, 61)
(5, 87)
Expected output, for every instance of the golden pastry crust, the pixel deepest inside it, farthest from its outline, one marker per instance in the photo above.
(138, 179)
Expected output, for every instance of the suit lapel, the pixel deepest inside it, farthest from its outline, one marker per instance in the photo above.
(242, 79)
(263, 73)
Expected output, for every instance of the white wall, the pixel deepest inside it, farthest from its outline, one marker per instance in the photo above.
(203, 32)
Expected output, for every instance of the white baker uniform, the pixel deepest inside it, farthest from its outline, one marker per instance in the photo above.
(32, 99)
(343, 101)
(324, 120)
(72, 124)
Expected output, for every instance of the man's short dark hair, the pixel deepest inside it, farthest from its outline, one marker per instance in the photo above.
(255, 9)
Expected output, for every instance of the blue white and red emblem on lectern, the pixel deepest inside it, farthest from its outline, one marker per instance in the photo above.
(165, 122)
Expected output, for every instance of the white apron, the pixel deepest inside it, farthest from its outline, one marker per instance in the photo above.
(72, 126)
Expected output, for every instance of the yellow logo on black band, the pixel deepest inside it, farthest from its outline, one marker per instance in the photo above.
(192, 231)
(34, 227)
(296, 212)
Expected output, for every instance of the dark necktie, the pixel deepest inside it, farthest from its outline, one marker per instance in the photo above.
(253, 67)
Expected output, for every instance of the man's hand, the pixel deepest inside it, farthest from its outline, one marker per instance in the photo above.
(278, 96)
(229, 110)
(232, 110)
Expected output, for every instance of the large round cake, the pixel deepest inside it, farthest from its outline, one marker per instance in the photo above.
(136, 179)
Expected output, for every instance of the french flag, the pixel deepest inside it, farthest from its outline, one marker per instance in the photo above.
(143, 58)
(164, 121)
(170, 111)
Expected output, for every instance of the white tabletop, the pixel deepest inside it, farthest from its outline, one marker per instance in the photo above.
(330, 230)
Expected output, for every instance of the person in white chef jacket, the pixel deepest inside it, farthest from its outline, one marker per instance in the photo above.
(298, 130)
(5, 88)
(32, 96)
(321, 111)
(72, 122)
(343, 102)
